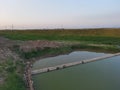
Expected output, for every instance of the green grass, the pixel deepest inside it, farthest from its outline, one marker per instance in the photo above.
(67, 49)
(97, 36)
(13, 82)
(45, 51)
(12, 71)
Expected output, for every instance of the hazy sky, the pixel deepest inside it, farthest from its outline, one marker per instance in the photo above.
(59, 13)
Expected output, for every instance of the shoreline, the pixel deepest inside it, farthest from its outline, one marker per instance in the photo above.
(67, 65)
(67, 46)
(31, 61)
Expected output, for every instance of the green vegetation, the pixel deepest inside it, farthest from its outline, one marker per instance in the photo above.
(12, 71)
(97, 36)
(46, 51)
(108, 38)
(13, 82)
(89, 39)
(67, 49)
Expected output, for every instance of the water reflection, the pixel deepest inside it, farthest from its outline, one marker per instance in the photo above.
(62, 59)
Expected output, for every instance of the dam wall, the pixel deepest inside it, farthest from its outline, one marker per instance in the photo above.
(58, 67)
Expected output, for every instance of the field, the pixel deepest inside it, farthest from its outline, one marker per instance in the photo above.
(98, 36)
(71, 39)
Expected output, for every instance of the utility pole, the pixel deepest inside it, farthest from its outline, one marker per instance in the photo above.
(12, 27)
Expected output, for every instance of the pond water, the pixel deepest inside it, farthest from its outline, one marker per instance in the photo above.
(62, 59)
(99, 75)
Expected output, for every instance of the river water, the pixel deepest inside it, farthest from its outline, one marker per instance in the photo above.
(99, 75)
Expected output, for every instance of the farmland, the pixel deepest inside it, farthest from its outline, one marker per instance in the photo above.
(101, 36)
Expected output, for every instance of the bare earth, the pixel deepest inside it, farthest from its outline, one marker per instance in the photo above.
(39, 44)
(6, 44)
(6, 53)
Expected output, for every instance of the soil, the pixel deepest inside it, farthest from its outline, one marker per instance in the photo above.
(7, 53)
(26, 46)
(39, 44)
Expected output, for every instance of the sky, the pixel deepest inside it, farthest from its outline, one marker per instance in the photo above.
(39, 14)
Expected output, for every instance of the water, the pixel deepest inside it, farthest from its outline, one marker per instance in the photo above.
(62, 59)
(99, 75)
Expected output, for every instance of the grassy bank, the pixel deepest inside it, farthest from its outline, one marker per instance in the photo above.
(68, 49)
(11, 72)
(13, 82)
(14, 70)
(46, 52)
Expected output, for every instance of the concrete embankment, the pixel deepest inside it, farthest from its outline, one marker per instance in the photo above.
(100, 58)
(48, 69)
